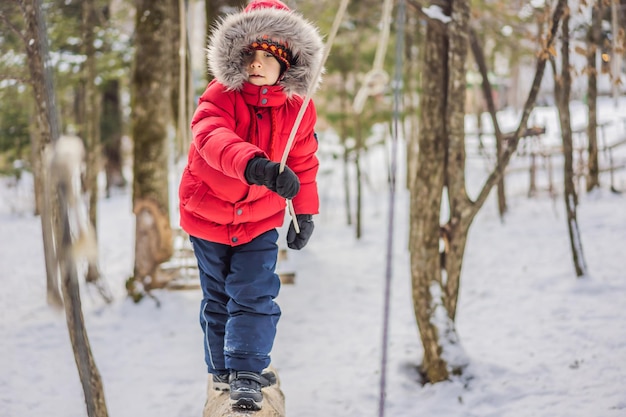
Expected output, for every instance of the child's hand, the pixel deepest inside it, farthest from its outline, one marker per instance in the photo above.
(299, 240)
(261, 171)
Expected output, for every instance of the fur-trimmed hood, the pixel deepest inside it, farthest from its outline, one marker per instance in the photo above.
(236, 32)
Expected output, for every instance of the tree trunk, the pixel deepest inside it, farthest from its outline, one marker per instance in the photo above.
(358, 150)
(36, 43)
(411, 110)
(65, 168)
(425, 199)
(91, 119)
(593, 175)
(441, 161)
(458, 225)
(345, 108)
(182, 77)
(562, 91)
(151, 120)
(513, 140)
(111, 136)
(216, 8)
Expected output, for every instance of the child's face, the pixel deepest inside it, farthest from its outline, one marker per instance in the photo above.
(262, 68)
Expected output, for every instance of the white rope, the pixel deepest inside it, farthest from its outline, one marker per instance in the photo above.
(307, 98)
(376, 80)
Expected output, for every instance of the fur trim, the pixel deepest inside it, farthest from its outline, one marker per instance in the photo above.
(236, 32)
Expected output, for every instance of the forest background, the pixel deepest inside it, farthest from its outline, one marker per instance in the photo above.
(91, 74)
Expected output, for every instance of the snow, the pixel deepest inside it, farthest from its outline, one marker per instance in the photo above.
(539, 341)
(435, 12)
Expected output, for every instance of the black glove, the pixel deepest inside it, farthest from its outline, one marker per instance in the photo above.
(299, 240)
(262, 171)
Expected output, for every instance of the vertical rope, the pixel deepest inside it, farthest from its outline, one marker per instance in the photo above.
(305, 103)
(376, 79)
(395, 133)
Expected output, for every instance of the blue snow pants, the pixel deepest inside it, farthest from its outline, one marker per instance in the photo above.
(238, 314)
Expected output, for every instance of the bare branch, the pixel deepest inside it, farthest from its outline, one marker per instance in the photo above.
(7, 23)
(513, 140)
(19, 79)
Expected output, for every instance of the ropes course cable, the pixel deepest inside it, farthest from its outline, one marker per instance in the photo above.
(376, 79)
(307, 98)
(395, 133)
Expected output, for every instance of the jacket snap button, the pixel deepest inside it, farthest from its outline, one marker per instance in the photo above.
(234, 240)
(239, 211)
(264, 101)
(264, 91)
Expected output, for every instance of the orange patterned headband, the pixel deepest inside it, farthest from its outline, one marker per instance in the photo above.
(280, 50)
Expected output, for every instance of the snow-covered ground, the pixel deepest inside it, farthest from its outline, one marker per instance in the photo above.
(541, 342)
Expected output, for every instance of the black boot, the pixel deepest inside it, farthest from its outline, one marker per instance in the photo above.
(221, 382)
(245, 390)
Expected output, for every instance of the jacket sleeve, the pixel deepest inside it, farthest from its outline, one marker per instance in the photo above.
(214, 133)
(303, 161)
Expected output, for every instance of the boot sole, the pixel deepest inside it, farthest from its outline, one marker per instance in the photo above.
(246, 404)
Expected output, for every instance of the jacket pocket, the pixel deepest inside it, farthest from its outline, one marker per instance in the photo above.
(196, 197)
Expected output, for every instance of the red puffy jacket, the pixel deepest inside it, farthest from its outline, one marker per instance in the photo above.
(229, 128)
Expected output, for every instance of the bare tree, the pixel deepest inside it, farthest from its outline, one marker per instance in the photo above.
(151, 121)
(76, 240)
(593, 43)
(562, 91)
(216, 8)
(90, 109)
(441, 166)
(61, 194)
(36, 44)
(111, 122)
(479, 57)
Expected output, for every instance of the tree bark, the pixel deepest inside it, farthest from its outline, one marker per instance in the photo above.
(151, 120)
(91, 119)
(562, 91)
(458, 225)
(216, 8)
(441, 161)
(343, 132)
(593, 175)
(111, 135)
(425, 200)
(65, 168)
(513, 140)
(358, 151)
(36, 43)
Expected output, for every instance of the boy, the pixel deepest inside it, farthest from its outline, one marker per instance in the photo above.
(232, 197)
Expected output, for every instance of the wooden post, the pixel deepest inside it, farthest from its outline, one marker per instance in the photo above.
(285, 272)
